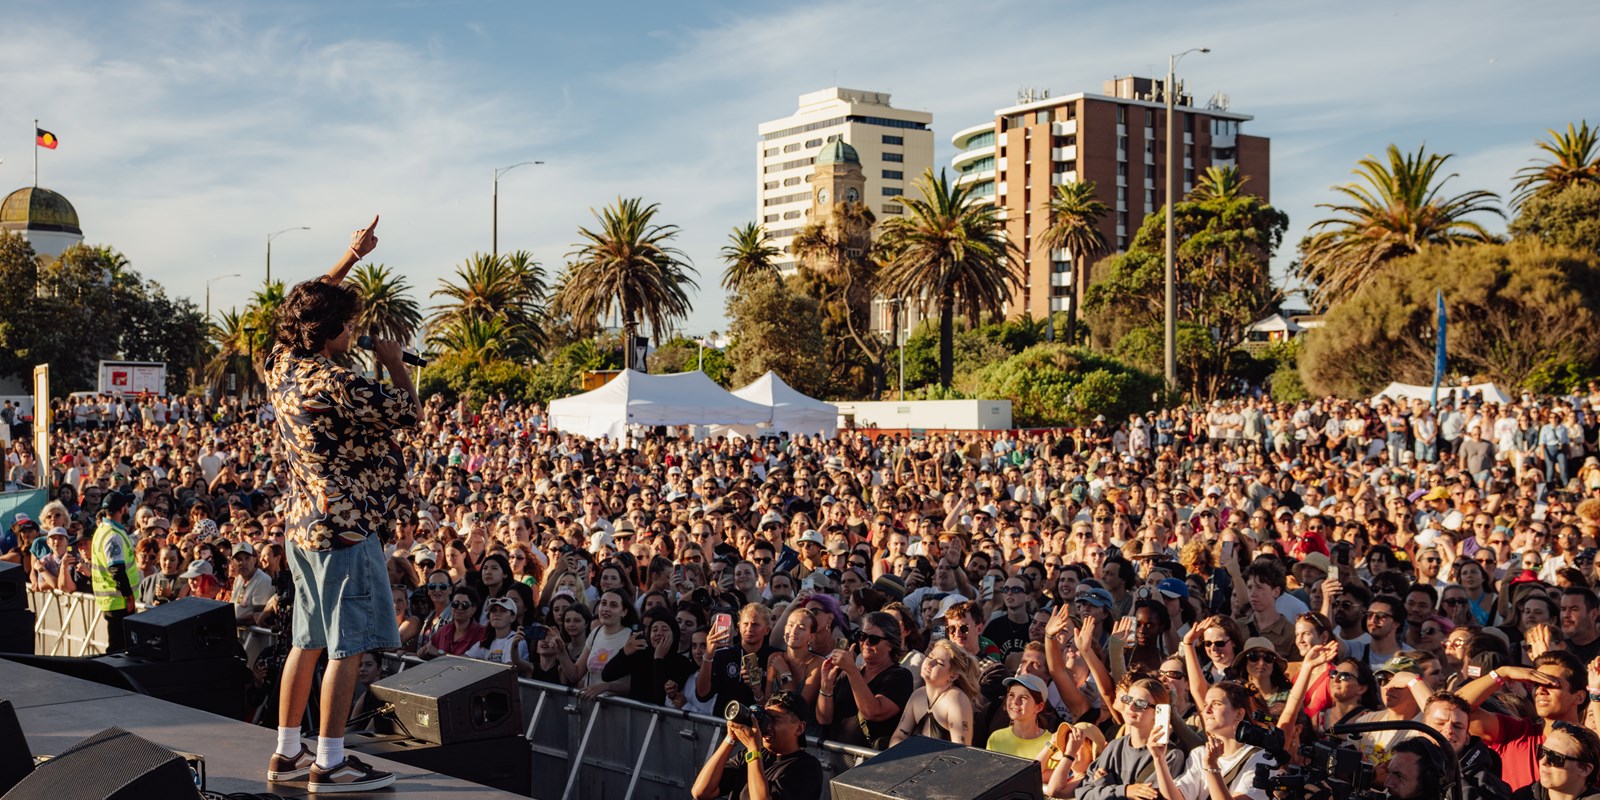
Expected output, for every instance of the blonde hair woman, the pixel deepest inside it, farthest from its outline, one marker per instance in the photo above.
(942, 707)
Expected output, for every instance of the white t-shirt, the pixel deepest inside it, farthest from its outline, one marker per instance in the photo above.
(498, 651)
(1192, 783)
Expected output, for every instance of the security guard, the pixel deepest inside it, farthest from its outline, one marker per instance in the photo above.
(109, 558)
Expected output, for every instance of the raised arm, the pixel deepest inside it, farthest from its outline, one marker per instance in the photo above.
(361, 243)
(1319, 657)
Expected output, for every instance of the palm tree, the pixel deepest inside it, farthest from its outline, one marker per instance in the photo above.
(1219, 183)
(510, 287)
(387, 309)
(479, 340)
(1574, 160)
(236, 337)
(1075, 215)
(748, 256)
(629, 265)
(951, 249)
(1393, 210)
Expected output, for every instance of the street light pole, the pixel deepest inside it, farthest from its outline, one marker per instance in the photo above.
(1170, 359)
(495, 224)
(272, 236)
(208, 293)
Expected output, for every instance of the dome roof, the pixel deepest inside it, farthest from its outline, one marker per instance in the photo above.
(838, 152)
(35, 209)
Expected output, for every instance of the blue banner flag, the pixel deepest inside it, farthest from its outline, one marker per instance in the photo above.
(1439, 351)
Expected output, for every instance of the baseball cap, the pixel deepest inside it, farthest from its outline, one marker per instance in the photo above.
(1437, 493)
(59, 531)
(116, 501)
(1032, 683)
(793, 703)
(1397, 665)
(501, 602)
(1173, 588)
(22, 520)
(424, 554)
(1099, 598)
(197, 568)
(813, 537)
(243, 547)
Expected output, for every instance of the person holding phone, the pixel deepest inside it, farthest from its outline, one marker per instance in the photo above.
(1126, 767)
(651, 658)
(1225, 768)
(503, 642)
(861, 703)
(721, 670)
(617, 619)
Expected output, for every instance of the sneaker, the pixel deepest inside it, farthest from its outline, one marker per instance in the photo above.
(350, 775)
(291, 768)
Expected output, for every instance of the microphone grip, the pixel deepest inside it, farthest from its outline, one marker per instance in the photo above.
(366, 343)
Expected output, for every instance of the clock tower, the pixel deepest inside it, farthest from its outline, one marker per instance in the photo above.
(836, 179)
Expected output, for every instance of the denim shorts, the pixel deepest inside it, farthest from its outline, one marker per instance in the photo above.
(342, 600)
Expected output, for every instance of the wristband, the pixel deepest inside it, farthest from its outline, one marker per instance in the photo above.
(354, 253)
(1495, 675)
(825, 694)
(750, 756)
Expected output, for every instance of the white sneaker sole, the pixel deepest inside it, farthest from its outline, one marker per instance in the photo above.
(360, 786)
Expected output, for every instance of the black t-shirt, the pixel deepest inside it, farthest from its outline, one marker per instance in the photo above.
(727, 682)
(1585, 652)
(796, 776)
(1010, 637)
(894, 683)
(649, 674)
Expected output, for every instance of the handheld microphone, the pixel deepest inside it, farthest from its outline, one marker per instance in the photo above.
(366, 343)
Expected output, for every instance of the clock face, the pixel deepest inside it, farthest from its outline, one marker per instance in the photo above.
(852, 196)
(822, 195)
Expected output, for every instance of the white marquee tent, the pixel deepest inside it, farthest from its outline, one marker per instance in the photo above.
(634, 398)
(1408, 391)
(792, 411)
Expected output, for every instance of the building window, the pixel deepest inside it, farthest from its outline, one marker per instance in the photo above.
(771, 151)
(1150, 171)
(893, 191)
(1188, 123)
(791, 148)
(814, 143)
(1122, 114)
(791, 181)
(1042, 116)
(1122, 170)
(1149, 118)
(1016, 121)
(893, 175)
(1223, 153)
(1122, 218)
(1064, 141)
(894, 157)
(791, 215)
(887, 139)
(788, 198)
(1122, 148)
(1065, 166)
(1061, 267)
(833, 138)
(770, 185)
(1188, 175)
(1060, 291)
(788, 165)
(1122, 194)
(1149, 197)
(770, 218)
(893, 208)
(1122, 242)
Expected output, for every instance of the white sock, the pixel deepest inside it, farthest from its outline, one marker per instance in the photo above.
(330, 751)
(288, 742)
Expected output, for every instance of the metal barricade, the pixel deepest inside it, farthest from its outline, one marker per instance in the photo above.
(615, 747)
(67, 624)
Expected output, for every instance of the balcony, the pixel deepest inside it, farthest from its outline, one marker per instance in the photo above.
(1063, 178)
(1224, 140)
(1068, 153)
(1061, 254)
(1000, 188)
(1064, 128)
(1188, 138)
(1001, 162)
(1060, 279)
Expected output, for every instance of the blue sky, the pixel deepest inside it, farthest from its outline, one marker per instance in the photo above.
(191, 130)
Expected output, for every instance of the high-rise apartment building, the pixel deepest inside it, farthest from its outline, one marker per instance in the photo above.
(1117, 140)
(894, 146)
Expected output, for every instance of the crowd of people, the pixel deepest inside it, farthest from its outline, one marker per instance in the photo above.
(1119, 603)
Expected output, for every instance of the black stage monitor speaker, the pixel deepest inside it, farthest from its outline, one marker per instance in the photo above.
(933, 769)
(193, 627)
(16, 760)
(13, 587)
(502, 762)
(450, 700)
(16, 631)
(216, 685)
(110, 765)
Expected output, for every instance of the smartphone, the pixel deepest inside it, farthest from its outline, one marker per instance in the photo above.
(722, 622)
(1162, 731)
(750, 667)
(677, 574)
(1129, 621)
(988, 585)
(1333, 572)
(1227, 550)
(535, 632)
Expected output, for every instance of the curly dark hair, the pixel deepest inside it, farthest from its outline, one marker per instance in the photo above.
(314, 312)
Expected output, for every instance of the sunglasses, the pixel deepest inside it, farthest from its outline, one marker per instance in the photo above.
(1554, 759)
(959, 630)
(1218, 644)
(1343, 677)
(1260, 657)
(461, 604)
(1455, 601)
(1378, 615)
(871, 638)
(1131, 702)
(1014, 590)
(438, 587)
(1172, 674)
(763, 561)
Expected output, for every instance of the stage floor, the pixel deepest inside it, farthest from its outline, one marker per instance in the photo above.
(57, 711)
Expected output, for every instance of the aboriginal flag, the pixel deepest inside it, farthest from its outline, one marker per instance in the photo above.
(45, 139)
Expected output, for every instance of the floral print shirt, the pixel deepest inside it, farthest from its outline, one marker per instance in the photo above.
(347, 475)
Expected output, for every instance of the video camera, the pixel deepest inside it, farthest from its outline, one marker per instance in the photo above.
(751, 716)
(1333, 767)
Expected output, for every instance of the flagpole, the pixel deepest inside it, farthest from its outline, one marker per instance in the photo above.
(36, 154)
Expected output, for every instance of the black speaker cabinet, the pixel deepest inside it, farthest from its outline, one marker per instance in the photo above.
(933, 769)
(110, 765)
(13, 587)
(216, 685)
(500, 762)
(450, 700)
(16, 631)
(193, 627)
(16, 760)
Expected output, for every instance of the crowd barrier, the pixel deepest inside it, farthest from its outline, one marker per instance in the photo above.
(626, 749)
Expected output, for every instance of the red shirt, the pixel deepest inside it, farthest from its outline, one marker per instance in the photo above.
(1518, 745)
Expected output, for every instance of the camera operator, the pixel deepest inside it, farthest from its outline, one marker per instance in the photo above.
(1417, 771)
(1479, 766)
(775, 765)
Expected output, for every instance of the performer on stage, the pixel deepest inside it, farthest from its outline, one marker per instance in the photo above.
(347, 485)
